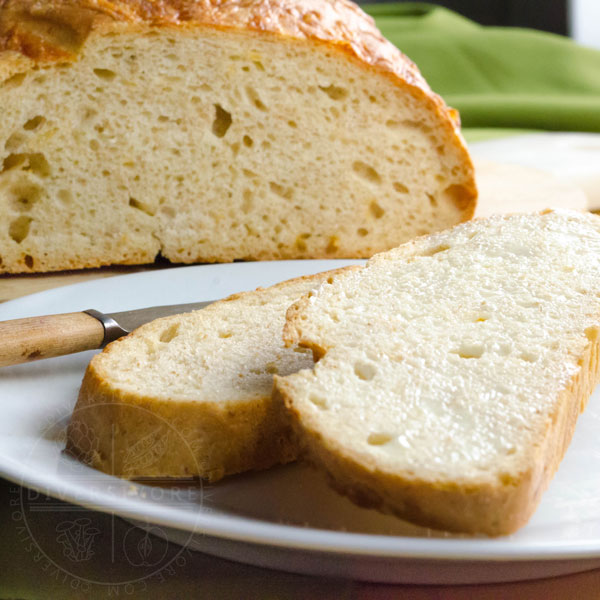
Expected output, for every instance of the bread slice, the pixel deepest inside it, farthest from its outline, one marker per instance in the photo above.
(453, 369)
(190, 395)
(214, 131)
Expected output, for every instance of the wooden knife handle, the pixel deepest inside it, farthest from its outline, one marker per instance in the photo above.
(25, 340)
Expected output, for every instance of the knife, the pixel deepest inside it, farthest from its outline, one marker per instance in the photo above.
(34, 338)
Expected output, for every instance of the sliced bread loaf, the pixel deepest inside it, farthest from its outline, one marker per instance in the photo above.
(212, 130)
(453, 369)
(190, 395)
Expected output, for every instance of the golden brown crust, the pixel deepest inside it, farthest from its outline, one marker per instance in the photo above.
(52, 30)
(133, 436)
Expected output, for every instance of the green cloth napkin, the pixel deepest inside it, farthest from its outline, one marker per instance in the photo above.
(497, 77)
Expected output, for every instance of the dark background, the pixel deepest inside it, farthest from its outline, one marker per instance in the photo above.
(547, 15)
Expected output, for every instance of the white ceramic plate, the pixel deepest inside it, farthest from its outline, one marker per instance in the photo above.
(286, 518)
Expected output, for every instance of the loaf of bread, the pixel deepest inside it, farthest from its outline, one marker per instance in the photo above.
(207, 130)
(452, 369)
(190, 395)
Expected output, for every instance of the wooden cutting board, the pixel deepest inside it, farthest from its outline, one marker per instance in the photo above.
(503, 188)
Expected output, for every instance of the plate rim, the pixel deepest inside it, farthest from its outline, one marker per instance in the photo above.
(243, 529)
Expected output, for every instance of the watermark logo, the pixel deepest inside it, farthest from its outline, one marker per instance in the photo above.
(145, 552)
(77, 538)
(85, 548)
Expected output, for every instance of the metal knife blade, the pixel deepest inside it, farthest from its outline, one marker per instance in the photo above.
(118, 324)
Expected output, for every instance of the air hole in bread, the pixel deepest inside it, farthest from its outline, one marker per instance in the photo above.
(366, 172)
(12, 161)
(529, 304)
(299, 350)
(105, 74)
(459, 195)
(379, 439)
(29, 261)
(19, 228)
(432, 200)
(258, 65)
(225, 334)
(470, 350)
(362, 232)
(420, 125)
(592, 333)
(248, 141)
(280, 190)
(95, 145)
(89, 114)
(529, 356)
(318, 401)
(334, 92)
(14, 81)
(14, 141)
(222, 121)
(506, 479)
(34, 123)
(333, 245)
(435, 250)
(255, 98)
(141, 206)
(271, 368)
(35, 162)
(65, 196)
(25, 195)
(169, 333)
(365, 371)
(376, 210)
(301, 241)
(400, 187)
(292, 124)
(38, 164)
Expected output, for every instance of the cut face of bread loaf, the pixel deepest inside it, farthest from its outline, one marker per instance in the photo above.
(215, 131)
(453, 369)
(190, 395)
